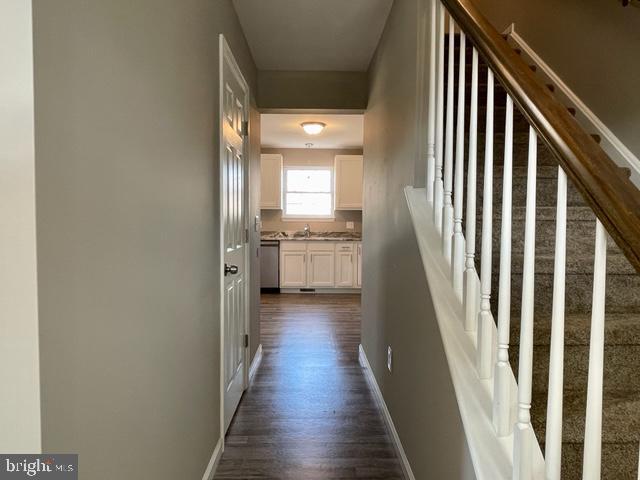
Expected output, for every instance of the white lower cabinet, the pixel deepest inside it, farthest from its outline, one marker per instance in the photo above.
(320, 272)
(293, 264)
(358, 265)
(320, 264)
(344, 265)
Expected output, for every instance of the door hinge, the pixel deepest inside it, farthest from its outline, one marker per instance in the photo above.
(246, 235)
(246, 340)
(245, 128)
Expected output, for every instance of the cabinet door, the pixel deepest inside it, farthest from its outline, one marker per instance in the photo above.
(271, 181)
(344, 265)
(321, 268)
(359, 265)
(348, 183)
(293, 269)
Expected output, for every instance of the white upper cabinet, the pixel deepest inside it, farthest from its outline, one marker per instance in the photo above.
(271, 181)
(348, 182)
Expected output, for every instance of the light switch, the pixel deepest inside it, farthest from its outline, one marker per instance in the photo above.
(350, 226)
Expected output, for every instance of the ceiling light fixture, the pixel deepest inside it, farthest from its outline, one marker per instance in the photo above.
(313, 128)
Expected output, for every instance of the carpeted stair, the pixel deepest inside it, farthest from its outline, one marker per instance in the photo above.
(621, 415)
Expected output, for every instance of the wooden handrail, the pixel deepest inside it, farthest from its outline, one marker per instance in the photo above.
(613, 197)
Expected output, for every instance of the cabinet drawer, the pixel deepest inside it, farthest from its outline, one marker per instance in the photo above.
(344, 247)
(320, 246)
(293, 246)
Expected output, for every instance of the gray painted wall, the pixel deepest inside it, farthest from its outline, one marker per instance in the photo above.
(312, 90)
(397, 308)
(127, 206)
(592, 45)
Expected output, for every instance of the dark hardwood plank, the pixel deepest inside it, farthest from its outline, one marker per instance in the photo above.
(308, 413)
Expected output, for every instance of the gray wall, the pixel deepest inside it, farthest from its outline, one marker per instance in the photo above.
(592, 45)
(312, 90)
(19, 365)
(127, 212)
(397, 308)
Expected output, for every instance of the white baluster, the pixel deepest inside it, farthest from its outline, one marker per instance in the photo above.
(502, 395)
(593, 424)
(431, 116)
(447, 211)
(438, 186)
(524, 437)
(485, 319)
(470, 295)
(457, 266)
(553, 443)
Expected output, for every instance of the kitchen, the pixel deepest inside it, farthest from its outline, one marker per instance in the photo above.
(311, 203)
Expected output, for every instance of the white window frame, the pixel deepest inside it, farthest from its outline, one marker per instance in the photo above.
(331, 193)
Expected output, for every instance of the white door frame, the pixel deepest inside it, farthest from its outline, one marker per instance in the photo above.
(225, 55)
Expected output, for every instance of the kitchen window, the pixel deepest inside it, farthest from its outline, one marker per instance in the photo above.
(308, 192)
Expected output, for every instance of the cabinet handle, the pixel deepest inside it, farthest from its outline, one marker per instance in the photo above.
(351, 258)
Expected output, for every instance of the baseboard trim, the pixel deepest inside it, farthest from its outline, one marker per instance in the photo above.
(255, 363)
(611, 144)
(371, 380)
(213, 462)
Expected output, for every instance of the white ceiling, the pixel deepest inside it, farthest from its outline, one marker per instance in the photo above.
(284, 131)
(331, 35)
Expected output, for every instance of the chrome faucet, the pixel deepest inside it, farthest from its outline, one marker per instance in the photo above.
(307, 230)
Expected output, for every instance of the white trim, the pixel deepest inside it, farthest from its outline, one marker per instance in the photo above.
(210, 471)
(297, 218)
(611, 144)
(492, 456)
(255, 363)
(373, 384)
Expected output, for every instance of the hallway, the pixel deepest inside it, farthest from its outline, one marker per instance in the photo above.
(309, 413)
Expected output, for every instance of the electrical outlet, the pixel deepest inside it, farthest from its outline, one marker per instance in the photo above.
(389, 359)
(351, 226)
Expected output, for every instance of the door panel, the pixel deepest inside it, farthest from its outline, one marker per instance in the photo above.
(235, 295)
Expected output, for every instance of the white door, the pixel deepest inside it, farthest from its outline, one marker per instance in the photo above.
(321, 268)
(293, 269)
(234, 113)
(344, 265)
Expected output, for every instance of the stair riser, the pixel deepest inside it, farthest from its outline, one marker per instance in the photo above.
(622, 364)
(546, 192)
(622, 293)
(580, 236)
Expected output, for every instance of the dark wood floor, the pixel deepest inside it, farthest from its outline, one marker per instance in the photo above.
(309, 414)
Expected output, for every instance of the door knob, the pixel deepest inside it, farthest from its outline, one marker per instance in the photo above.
(230, 269)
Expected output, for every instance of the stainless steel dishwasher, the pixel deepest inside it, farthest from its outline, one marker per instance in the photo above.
(270, 266)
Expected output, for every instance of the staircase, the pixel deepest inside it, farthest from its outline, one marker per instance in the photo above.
(540, 313)
(621, 403)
